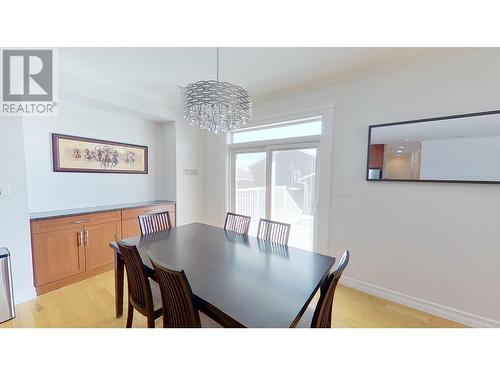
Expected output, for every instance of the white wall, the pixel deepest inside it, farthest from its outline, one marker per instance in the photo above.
(14, 221)
(190, 172)
(215, 193)
(91, 109)
(186, 152)
(474, 158)
(48, 190)
(421, 243)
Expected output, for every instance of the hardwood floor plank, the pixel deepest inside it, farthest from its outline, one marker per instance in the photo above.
(90, 303)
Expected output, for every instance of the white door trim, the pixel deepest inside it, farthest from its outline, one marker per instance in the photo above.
(323, 165)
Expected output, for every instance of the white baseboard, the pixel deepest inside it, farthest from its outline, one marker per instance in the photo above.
(24, 295)
(446, 312)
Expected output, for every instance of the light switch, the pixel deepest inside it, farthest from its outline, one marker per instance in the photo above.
(4, 191)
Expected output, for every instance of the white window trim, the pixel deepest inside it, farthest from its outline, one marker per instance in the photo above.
(324, 144)
(275, 142)
(273, 125)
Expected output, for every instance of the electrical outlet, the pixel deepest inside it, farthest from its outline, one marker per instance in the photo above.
(4, 192)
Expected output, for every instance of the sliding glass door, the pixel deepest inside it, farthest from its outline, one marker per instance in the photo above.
(250, 186)
(293, 193)
(278, 183)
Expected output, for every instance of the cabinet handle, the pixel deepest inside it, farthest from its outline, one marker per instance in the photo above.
(79, 238)
(86, 237)
(82, 221)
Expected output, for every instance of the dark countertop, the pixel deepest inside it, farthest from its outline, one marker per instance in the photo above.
(92, 210)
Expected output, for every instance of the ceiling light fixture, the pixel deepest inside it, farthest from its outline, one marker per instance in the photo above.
(216, 106)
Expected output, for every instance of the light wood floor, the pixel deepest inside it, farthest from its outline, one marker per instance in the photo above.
(90, 303)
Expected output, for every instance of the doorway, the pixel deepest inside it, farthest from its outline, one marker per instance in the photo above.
(278, 182)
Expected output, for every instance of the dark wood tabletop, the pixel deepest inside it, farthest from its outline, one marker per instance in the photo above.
(238, 280)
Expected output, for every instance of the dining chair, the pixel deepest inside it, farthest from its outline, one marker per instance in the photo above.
(273, 231)
(143, 293)
(179, 307)
(321, 315)
(155, 222)
(237, 223)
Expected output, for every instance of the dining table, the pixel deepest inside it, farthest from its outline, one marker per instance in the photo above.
(236, 279)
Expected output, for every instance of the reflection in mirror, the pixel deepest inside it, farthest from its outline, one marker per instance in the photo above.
(464, 148)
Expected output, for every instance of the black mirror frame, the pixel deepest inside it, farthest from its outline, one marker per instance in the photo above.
(475, 114)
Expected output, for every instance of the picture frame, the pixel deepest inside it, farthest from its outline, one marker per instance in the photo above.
(88, 155)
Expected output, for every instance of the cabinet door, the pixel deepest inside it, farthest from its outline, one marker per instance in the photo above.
(57, 255)
(97, 239)
(131, 228)
(172, 217)
(130, 223)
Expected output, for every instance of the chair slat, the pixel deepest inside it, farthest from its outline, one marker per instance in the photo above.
(155, 222)
(273, 231)
(179, 310)
(237, 223)
(322, 317)
(140, 296)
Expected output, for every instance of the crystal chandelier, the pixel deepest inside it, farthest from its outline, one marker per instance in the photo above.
(216, 106)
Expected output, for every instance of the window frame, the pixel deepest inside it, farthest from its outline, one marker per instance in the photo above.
(274, 125)
(269, 146)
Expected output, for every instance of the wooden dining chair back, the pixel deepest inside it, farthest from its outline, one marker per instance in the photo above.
(237, 223)
(179, 309)
(155, 222)
(273, 231)
(140, 295)
(322, 317)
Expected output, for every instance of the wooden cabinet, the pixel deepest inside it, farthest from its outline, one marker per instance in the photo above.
(131, 228)
(58, 255)
(130, 218)
(376, 156)
(70, 249)
(97, 238)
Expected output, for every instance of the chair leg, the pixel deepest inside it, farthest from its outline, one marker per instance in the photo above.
(151, 322)
(130, 315)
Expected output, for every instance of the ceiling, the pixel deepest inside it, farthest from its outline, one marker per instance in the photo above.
(265, 72)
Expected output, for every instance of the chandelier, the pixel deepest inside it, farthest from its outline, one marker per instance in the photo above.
(216, 106)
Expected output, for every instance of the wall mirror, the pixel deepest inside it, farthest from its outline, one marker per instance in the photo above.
(462, 148)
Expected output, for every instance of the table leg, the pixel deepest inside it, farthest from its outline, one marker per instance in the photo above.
(119, 278)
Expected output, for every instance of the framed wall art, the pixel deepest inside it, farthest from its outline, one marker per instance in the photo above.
(88, 155)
